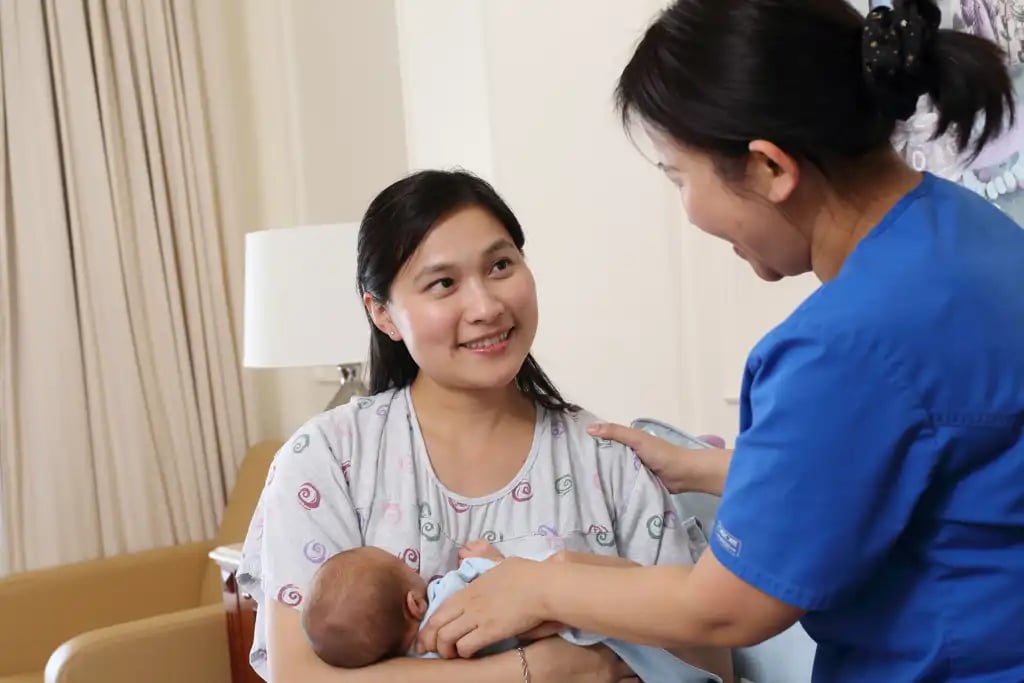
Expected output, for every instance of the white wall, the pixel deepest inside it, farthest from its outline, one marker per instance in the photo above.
(318, 118)
(726, 309)
(640, 313)
(499, 87)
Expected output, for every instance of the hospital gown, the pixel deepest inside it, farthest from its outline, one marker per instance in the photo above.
(360, 475)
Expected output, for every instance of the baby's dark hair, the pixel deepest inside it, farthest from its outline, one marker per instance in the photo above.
(812, 76)
(355, 617)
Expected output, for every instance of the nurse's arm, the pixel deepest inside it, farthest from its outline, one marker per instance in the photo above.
(665, 606)
(718, 660)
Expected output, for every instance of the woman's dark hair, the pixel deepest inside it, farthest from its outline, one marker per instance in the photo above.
(396, 222)
(814, 77)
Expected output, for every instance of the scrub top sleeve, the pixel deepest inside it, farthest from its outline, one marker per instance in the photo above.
(827, 470)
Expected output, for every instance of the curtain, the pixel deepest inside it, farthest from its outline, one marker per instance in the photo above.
(122, 418)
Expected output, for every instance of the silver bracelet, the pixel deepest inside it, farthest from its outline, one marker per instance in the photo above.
(522, 660)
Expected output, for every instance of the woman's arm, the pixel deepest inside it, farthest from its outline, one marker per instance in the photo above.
(680, 469)
(292, 659)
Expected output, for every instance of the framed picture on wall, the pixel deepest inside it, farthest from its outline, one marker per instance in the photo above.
(998, 172)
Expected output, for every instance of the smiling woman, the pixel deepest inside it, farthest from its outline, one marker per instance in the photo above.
(463, 438)
(427, 276)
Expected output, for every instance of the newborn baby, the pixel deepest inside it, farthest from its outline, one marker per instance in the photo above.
(366, 605)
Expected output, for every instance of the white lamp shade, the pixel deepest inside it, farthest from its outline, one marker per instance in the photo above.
(302, 307)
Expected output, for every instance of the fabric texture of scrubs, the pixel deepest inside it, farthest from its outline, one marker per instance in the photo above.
(878, 479)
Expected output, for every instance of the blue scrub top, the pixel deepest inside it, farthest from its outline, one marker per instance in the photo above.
(878, 480)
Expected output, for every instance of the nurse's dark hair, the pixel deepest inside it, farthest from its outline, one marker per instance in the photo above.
(396, 222)
(815, 77)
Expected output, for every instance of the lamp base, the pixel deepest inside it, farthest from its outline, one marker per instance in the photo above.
(351, 384)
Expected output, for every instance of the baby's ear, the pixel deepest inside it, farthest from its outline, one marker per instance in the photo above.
(416, 604)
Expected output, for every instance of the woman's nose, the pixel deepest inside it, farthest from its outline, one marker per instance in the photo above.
(483, 306)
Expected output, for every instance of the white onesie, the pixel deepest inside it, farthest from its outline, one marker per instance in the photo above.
(360, 475)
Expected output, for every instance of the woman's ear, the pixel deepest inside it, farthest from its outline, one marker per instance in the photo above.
(381, 317)
(771, 172)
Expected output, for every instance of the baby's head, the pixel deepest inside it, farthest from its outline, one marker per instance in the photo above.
(364, 605)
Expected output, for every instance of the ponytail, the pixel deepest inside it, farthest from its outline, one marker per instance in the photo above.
(971, 79)
(906, 55)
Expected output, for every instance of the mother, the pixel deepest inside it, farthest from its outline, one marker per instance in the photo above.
(463, 438)
(876, 492)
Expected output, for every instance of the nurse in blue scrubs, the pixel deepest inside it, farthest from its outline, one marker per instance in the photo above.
(876, 491)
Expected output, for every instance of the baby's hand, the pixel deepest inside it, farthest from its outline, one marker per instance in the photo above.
(480, 548)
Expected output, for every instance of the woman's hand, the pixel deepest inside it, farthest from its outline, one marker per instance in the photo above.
(680, 469)
(502, 603)
(554, 659)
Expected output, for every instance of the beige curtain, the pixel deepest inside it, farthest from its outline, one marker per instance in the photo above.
(122, 420)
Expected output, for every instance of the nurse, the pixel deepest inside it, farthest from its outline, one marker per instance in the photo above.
(876, 491)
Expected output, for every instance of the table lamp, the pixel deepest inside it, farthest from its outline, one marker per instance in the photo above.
(302, 308)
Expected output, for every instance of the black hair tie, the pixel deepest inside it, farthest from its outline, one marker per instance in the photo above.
(895, 50)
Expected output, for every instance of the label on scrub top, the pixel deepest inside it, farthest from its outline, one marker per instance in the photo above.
(729, 543)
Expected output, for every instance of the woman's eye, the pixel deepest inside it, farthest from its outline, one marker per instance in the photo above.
(442, 284)
(502, 264)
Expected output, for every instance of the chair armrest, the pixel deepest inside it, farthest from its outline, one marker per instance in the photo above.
(41, 609)
(191, 645)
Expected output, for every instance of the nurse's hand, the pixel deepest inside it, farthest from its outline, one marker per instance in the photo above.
(504, 602)
(680, 469)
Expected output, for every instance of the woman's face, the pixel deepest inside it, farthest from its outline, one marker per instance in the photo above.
(745, 214)
(464, 304)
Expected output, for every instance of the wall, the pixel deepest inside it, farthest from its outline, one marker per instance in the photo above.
(726, 310)
(310, 130)
(499, 87)
(641, 314)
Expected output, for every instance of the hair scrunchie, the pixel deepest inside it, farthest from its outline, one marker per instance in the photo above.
(895, 49)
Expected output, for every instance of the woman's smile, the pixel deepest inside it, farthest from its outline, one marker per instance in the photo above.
(490, 344)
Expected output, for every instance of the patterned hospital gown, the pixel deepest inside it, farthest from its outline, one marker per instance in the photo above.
(360, 475)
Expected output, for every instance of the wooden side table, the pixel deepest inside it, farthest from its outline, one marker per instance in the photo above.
(240, 614)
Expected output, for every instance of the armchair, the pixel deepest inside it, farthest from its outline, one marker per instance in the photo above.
(155, 615)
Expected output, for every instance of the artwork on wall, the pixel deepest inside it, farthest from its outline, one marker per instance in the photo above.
(998, 172)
